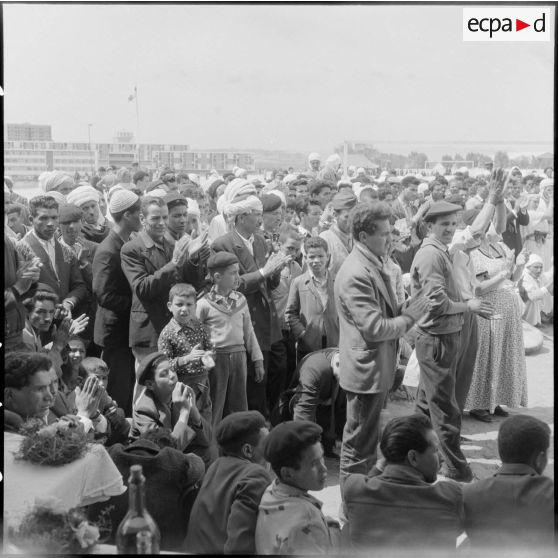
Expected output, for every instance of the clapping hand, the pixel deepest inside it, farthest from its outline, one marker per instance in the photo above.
(180, 253)
(417, 308)
(498, 185)
(276, 262)
(79, 324)
(61, 334)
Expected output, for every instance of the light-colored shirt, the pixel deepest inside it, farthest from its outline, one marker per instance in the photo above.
(321, 286)
(248, 242)
(49, 248)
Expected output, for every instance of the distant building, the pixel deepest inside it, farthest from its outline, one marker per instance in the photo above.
(27, 132)
(26, 160)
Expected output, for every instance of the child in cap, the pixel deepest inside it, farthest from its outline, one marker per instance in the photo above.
(187, 344)
(226, 312)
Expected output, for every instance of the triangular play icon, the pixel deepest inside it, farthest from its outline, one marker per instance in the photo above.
(519, 25)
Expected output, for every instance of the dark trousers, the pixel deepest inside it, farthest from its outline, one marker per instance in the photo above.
(437, 357)
(122, 377)
(361, 433)
(256, 392)
(468, 344)
(281, 355)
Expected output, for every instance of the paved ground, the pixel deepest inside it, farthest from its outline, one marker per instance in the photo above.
(481, 449)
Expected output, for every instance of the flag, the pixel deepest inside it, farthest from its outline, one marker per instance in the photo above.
(134, 94)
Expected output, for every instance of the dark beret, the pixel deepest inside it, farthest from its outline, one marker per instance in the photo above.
(147, 363)
(270, 202)
(290, 438)
(220, 260)
(344, 200)
(470, 215)
(441, 208)
(408, 180)
(234, 428)
(174, 197)
(69, 213)
(227, 174)
(456, 199)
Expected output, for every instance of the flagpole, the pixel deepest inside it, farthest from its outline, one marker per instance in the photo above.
(137, 125)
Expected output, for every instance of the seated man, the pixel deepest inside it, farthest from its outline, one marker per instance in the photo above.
(318, 397)
(290, 521)
(30, 388)
(404, 507)
(224, 515)
(514, 508)
(172, 482)
(170, 404)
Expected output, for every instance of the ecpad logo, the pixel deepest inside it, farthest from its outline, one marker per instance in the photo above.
(507, 24)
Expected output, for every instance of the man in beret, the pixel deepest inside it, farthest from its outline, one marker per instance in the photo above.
(290, 520)
(223, 519)
(338, 236)
(114, 298)
(438, 333)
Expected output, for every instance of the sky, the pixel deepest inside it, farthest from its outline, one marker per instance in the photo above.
(279, 77)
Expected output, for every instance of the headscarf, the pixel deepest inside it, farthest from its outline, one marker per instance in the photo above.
(314, 157)
(534, 259)
(53, 180)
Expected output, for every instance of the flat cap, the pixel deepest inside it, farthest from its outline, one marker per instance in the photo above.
(174, 198)
(289, 438)
(147, 364)
(69, 213)
(220, 260)
(270, 202)
(441, 208)
(235, 427)
(344, 200)
(121, 200)
(406, 181)
(470, 215)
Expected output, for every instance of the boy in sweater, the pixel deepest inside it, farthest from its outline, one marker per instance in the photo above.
(225, 311)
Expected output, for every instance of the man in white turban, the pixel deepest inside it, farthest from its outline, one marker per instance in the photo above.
(330, 173)
(234, 189)
(95, 225)
(258, 276)
(56, 180)
(314, 161)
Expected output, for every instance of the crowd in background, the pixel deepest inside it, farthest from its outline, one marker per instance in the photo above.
(223, 324)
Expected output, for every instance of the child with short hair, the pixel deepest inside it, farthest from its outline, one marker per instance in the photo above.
(118, 427)
(187, 344)
(226, 312)
(311, 312)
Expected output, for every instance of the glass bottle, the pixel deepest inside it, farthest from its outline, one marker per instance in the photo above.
(138, 518)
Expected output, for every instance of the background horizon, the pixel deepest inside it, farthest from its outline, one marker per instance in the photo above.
(274, 77)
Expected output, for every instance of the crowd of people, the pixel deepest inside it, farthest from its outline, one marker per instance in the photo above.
(229, 333)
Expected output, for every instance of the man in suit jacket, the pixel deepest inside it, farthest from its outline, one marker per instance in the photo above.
(114, 298)
(224, 515)
(60, 267)
(514, 509)
(258, 276)
(152, 267)
(370, 322)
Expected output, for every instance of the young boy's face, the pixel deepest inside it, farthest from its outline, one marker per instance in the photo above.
(102, 374)
(317, 260)
(290, 247)
(228, 278)
(76, 351)
(289, 214)
(164, 380)
(182, 307)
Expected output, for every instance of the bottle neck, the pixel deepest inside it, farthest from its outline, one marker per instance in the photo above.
(137, 497)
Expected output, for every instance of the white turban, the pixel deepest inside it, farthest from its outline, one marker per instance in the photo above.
(193, 207)
(358, 188)
(157, 193)
(333, 161)
(546, 182)
(194, 178)
(360, 170)
(82, 195)
(241, 173)
(534, 259)
(53, 179)
(314, 157)
(280, 195)
(290, 178)
(60, 198)
(422, 187)
(235, 188)
(241, 207)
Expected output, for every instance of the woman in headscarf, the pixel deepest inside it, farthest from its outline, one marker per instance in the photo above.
(537, 291)
(499, 375)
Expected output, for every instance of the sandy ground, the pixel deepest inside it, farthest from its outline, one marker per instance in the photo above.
(480, 448)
